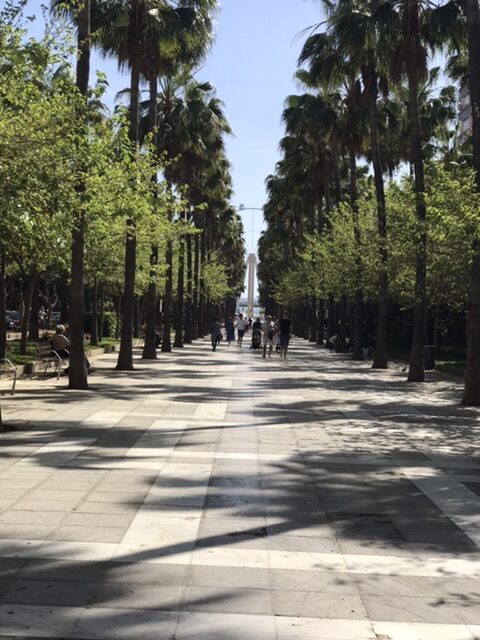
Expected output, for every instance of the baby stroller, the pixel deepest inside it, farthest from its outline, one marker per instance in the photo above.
(256, 339)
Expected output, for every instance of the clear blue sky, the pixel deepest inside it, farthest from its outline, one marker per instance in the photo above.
(252, 64)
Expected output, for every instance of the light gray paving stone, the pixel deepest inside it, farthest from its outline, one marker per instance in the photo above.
(228, 600)
(218, 626)
(129, 595)
(124, 624)
(38, 621)
(314, 604)
(397, 608)
(293, 628)
(312, 581)
(49, 593)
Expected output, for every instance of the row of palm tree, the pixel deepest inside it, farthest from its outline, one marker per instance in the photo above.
(371, 94)
(160, 43)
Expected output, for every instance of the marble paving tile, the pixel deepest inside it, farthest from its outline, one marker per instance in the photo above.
(219, 626)
(38, 621)
(293, 628)
(103, 623)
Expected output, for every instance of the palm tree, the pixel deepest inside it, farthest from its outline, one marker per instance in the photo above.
(144, 35)
(352, 44)
(410, 60)
(191, 125)
(471, 395)
(77, 370)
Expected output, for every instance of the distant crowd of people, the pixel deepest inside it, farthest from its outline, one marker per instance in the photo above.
(266, 335)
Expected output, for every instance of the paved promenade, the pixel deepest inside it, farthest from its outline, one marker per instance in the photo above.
(226, 497)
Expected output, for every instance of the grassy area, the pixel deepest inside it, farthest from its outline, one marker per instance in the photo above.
(13, 350)
(451, 360)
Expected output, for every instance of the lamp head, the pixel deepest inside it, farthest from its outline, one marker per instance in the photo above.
(241, 207)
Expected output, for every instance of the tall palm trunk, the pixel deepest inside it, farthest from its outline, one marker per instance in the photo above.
(196, 284)
(471, 394)
(125, 356)
(380, 359)
(358, 300)
(202, 303)
(150, 345)
(188, 302)
(179, 309)
(77, 376)
(416, 369)
(167, 299)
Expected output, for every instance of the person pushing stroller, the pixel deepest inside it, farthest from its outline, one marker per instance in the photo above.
(256, 335)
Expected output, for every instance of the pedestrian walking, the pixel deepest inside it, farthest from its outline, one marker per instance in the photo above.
(242, 326)
(285, 325)
(268, 335)
(215, 332)
(230, 331)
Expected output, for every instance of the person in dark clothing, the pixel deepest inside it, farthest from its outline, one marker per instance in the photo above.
(230, 330)
(215, 332)
(285, 326)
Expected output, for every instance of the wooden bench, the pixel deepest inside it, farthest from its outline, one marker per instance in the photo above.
(8, 379)
(47, 358)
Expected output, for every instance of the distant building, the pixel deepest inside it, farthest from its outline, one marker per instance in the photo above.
(464, 113)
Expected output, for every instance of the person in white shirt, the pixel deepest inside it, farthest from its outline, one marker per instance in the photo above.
(241, 328)
(268, 335)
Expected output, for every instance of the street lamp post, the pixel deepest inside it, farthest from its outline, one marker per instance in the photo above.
(251, 262)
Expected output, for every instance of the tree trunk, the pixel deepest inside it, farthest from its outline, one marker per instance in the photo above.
(380, 360)
(33, 326)
(320, 320)
(340, 343)
(136, 316)
(313, 320)
(101, 314)
(471, 394)
(125, 356)
(331, 325)
(416, 369)
(28, 296)
(436, 326)
(358, 301)
(150, 344)
(3, 305)
(188, 302)
(201, 295)
(196, 283)
(178, 342)
(167, 300)
(77, 377)
(94, 319)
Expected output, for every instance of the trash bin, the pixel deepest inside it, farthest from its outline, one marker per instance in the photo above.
(429, 356)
